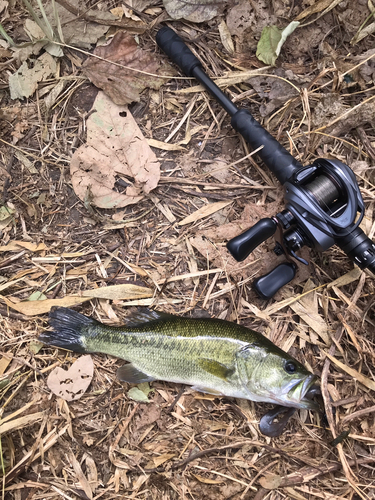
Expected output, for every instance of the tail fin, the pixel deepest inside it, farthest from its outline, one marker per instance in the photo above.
(70, 328)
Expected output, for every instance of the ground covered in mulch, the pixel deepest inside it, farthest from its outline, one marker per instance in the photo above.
(66, 238)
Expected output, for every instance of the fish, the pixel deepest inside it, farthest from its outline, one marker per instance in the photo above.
(213, 356)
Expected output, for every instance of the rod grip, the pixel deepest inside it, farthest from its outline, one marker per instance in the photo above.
(177, 50)
(274, 155)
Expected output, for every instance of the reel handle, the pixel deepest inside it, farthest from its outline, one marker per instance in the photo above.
(241, 246)
(266, 286)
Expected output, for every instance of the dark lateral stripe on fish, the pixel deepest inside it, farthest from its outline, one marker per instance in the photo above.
(68, 328)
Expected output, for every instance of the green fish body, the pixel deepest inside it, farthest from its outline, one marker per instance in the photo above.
(212, 355)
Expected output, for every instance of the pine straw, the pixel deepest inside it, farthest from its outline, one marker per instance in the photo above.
(107, 446)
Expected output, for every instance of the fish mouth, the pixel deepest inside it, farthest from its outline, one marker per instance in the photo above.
(300, 395)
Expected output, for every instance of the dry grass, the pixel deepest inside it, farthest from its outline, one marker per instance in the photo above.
(107, 446)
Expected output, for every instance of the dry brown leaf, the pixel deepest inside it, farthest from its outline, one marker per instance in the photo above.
(225, 37)
(36, 307)
(4, 363)
(204, 211)
(85, 485)
(72, 384)
(24, 81)
(82, 26)
(15, 246)
(92, 472)
(115, 148)
(246, 20)
(122, 84)
(354, 373)
(207, 480)
(163, 458)
(318, 6)
(118, 292)
(347, 278)
(8, 284)
(270, 482)
(19, 423)
(307, 310)
(196, 11)
(165, 146)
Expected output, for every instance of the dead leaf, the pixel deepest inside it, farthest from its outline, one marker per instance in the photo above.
(35, 308)
(307, 310)
(37, 36)
(76, 30)
(246, 20)
(204, 211)
(115, 148)
(4, 363)
(83, 27)
(24, 82)
(118, 292)
(6, 216)
(273, 91)
(72, 384)
(165, 145)
(163, 458)
(225, 37)
(122, 84)
(19, 423)
(270, 482)
(91, 470)
(148, 414)
(370, 384)
(362, 33)
(347, 278)
(85, 485)
(196, 11)
(207, 480)
(316, 7)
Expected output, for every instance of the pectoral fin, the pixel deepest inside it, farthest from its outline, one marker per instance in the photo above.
(128, 373)
(215, 368)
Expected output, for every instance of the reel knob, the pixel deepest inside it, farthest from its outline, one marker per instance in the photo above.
(241, 246)
(266, 286)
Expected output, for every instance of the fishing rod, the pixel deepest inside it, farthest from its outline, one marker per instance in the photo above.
(324, 205)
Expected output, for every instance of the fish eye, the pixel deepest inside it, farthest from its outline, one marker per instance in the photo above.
(290, 367)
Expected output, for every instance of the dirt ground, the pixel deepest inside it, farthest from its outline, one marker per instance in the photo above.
(59, 247)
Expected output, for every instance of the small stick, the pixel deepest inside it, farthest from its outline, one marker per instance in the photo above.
(176, 399)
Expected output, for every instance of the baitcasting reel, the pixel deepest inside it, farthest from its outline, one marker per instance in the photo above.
(324, 205)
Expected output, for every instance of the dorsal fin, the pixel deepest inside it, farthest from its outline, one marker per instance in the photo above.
(145, 315)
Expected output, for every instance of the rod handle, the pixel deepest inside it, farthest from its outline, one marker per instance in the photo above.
(177, 50)
(274, 155)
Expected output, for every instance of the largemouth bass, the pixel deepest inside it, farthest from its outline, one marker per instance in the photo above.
(214, 356)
